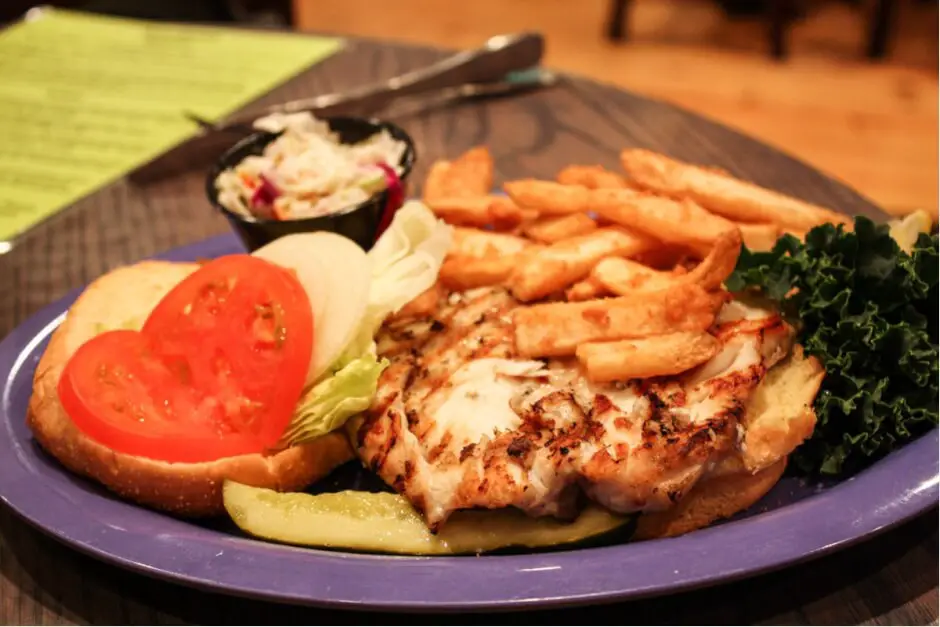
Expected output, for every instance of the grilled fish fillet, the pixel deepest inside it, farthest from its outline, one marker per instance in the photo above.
(460, 421)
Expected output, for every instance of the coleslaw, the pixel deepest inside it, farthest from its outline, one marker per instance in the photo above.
(307, 171)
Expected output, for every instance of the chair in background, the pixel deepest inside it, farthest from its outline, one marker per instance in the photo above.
(780, 15)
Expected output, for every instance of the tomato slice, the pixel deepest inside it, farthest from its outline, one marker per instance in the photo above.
(216, 370)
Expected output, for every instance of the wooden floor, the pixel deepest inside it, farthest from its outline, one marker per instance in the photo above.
(871, 125)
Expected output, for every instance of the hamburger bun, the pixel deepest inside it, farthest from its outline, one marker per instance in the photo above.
(712, 499)
(185, 489)
(778, 417)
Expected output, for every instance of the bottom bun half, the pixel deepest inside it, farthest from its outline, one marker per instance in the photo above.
(711, 500)
(779, 416)
(186, 489)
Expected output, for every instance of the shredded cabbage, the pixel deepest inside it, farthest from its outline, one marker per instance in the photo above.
(405, 262)
(307, 171)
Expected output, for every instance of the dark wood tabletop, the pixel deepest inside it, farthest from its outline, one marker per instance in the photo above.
(888, 580)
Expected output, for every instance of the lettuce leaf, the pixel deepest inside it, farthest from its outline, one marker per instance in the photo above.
(327, 405)
(868, 311)
(406, 259)
(405, 262)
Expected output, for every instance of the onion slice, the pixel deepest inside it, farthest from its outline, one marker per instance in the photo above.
(337, 275)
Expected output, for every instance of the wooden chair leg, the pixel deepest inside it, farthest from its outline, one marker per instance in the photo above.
(617, 20)
(780, 14)
(882, 23)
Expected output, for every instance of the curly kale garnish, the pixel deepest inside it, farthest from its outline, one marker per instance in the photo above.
(868, 311)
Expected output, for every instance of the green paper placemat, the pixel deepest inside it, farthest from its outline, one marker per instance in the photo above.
(84, 99)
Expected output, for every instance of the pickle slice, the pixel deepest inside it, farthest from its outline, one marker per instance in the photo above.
(387, 523)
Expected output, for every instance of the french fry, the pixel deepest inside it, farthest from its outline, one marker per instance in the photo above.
(719, 263)
(556, 267)
(468, 176)
(723, 194)
(656, 356)
(506, 212)
(557, 329)
(498, 211)
(436, 184)
(591, 176)
(469, 242)
(759, 237)
(586, 289)
(462, 210)
(553, 229)
(548, 197)
(528, 215)
(682, 223)
(480, 258)
(667, 257)
(463, 273)
(624, 276)
(472, 172)
(528, 218)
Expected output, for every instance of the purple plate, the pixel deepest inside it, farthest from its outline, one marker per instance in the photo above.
(793, 523)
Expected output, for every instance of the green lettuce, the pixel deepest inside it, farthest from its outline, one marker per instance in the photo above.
(868, 311)
(327, 406)
(405, 262)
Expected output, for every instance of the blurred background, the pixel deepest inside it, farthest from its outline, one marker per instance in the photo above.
(849, 86)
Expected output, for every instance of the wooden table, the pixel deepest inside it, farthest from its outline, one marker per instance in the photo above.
(889, 580)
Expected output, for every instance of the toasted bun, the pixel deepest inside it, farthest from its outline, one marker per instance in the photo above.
(183, 489)
(712, 499)
(779, 417)
(780, 414)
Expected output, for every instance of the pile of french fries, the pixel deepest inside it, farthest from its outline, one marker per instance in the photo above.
(623, 271)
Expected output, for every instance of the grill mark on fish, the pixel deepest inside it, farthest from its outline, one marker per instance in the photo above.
(601, 404)
(467, 452)
(385, 402)
(519, 447)
(378, 460)
(659, 420)
(441, 447)
(678, 398)
(751, 377)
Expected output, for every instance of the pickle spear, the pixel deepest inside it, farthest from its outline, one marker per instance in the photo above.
(387, 523)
